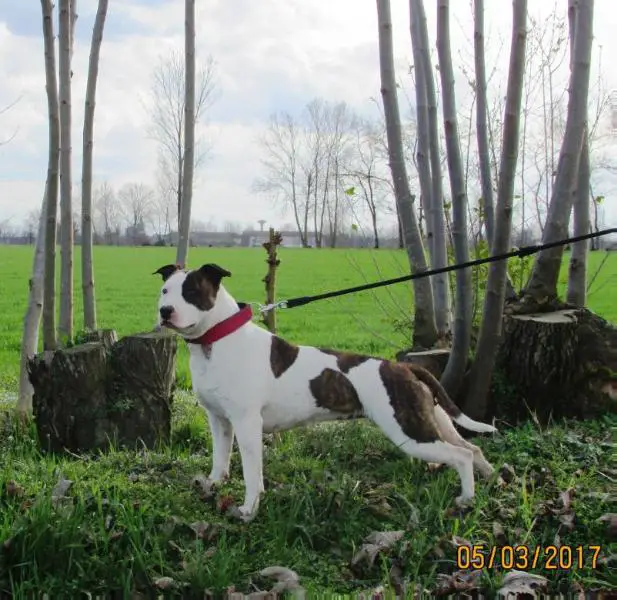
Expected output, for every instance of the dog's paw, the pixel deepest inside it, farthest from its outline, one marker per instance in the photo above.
(463, 501)
(205, 486)
(241, 512)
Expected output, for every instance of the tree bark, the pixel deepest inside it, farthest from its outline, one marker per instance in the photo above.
(577, 272)
(490, 329)
(87, 270)
(488, 209)
(32, 318)
(96, 394)
(424, 331)
(542, 287)
(439, 258)
(51, 186)
(560, 364)
(423, 141)
(189, 133)
(461, 341)
(65, 325)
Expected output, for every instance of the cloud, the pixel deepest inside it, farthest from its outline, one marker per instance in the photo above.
(270, 56)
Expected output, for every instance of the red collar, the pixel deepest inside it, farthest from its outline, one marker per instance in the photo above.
(225, 327)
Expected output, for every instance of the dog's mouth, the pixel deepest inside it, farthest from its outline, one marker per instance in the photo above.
(167, 323)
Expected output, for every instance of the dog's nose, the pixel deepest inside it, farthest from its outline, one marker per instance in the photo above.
(166, 312)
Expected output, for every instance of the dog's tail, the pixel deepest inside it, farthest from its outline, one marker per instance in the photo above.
(455, 413)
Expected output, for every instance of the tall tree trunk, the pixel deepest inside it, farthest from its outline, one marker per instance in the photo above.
(87, 270)
(51, 186)
(65, 325)
(189, 133)
(423, 141)
(32, 318)
(577, 273)
(439, 258)
(424, 332)
(490, 330)
(542, 286)
(487, 205)
(488, 210)
(455, 369)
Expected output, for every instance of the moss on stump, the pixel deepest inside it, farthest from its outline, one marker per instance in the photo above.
(105, 392)
(559, 364)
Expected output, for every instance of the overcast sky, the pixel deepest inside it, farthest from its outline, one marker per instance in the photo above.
(270, 55)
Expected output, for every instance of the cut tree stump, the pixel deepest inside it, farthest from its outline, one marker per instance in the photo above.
(560, 364)
(103, 393)
(434, 360)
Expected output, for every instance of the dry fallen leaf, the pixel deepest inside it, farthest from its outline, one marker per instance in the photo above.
(460, 581)
(286, 580)
(499, 534)
(374, 543)
(164, 583)
(13, 489)
(58, 494)
(611, 524)
(517, 583)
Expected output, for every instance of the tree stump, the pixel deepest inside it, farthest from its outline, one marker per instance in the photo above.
(434, 360)
(561, 363)
(104, 393)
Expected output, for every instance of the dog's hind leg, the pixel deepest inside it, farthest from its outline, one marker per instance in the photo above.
(249, 433)
(457, 457)
(222, 443)
(452, 436)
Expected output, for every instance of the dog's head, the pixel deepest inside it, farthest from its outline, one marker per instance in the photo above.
(188, 297)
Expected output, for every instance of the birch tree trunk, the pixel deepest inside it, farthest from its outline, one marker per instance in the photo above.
(484, 160)
(51, 186)
(189, 133)
(424, 331)
(65, 326)
(490, 329)
(455, 369)
(542, 287)
(577, 272)
(488, 209)
(423, 142)
(87, 270)
(439, 258)
(32, 318)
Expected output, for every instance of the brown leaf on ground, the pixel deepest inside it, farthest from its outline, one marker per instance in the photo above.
(611, 524)
(507, 473)
(374, 543)
(13, 490)
(58, 494)
(517, 584)
(459, 581)
(164, 583)
(499, 534)
(286, 580)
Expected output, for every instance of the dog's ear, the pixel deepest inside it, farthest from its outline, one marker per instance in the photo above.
(213, 273)
(166, 272)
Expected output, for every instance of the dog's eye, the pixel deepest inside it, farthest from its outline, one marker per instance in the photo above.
(164, 290)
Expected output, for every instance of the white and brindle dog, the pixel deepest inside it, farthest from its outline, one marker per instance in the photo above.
(252, 382)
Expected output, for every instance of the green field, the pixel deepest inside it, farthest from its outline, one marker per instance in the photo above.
(132, 518)
(127, 294)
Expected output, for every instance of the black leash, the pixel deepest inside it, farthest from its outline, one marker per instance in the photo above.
(521, 252)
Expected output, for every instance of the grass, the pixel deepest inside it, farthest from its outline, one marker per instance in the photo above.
(132, 518)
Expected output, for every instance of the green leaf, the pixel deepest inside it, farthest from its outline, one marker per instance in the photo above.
(598, 199)
(350, 191)
(354, 227)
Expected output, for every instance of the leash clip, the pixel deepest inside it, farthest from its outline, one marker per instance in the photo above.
(265, 308)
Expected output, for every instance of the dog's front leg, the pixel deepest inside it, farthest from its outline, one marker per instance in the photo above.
(249, 435)
(222, 442)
